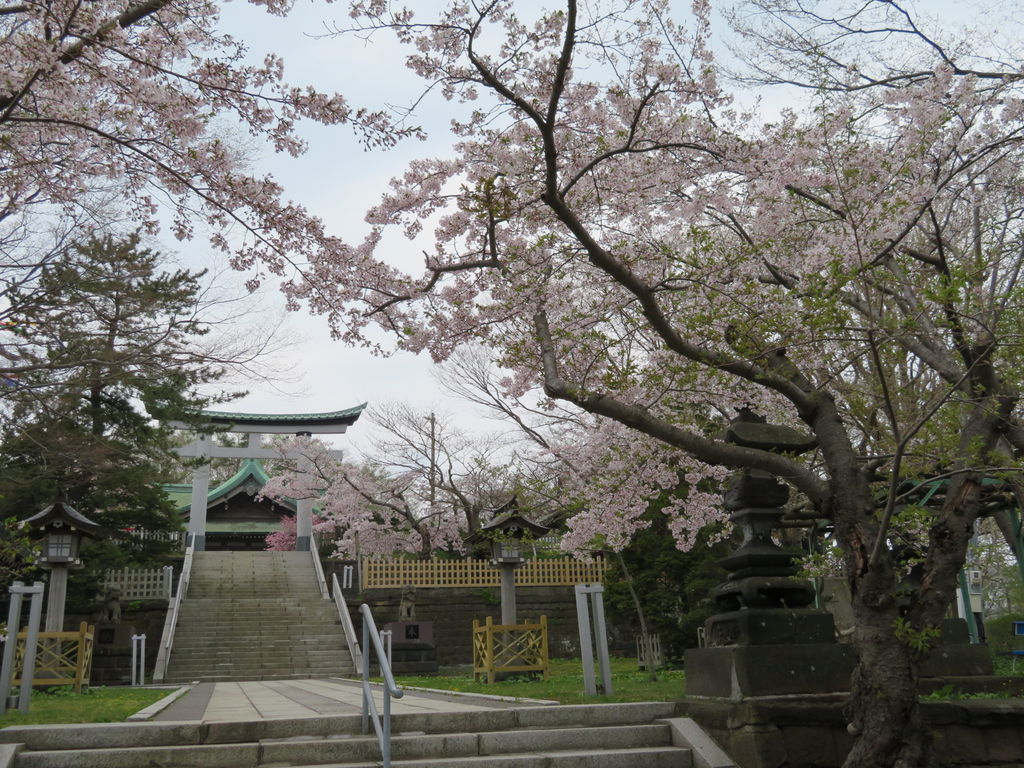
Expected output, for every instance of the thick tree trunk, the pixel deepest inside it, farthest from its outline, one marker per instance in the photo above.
(883, 711)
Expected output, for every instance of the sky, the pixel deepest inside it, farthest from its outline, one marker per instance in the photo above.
(338, 180)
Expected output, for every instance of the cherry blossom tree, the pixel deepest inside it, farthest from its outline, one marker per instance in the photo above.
(623, 236)
(131, 104)
(423, 488)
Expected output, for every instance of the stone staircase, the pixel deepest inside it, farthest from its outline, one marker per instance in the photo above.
(256, 616)
(642, 735)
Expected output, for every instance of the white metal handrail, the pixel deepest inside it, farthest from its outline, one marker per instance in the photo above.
(346, 624)
(382, 725)
(167, 641)
(318, 567)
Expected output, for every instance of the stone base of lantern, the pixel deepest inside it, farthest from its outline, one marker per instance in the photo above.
(769, 652)
(769, 626)
(743, 671)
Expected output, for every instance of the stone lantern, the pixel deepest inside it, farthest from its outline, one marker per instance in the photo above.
(506, 532)
(61, 529)
(766, 640)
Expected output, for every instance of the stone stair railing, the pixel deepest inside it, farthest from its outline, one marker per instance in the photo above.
(163, 657)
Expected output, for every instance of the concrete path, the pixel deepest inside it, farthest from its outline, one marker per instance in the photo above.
(274, 699)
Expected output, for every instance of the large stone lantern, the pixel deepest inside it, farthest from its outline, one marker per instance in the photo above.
(506, 532)
(61, 529)
(766, 641)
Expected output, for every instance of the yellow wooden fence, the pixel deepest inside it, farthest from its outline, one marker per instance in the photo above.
(62, 658)
(566, 571)
(509, 648)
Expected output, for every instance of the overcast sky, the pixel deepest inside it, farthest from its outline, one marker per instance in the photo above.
(338, 180)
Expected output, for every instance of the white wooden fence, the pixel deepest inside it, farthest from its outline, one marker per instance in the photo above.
(141, 583)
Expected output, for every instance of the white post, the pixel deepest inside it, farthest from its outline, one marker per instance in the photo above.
(17, 590)
(584, 594)
(601, 632)
(304, 508)
(168, 580)
(200, 494)
(31, 642)
(138, 660)
(586, 644)
(346, 577)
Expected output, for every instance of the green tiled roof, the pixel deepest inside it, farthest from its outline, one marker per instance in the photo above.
(347, 416)
(182, 494)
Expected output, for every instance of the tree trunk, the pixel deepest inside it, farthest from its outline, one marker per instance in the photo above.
(883, 711)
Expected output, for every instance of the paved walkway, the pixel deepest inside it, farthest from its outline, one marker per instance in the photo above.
(307, 698)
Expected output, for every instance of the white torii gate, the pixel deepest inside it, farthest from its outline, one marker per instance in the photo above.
(256, 425)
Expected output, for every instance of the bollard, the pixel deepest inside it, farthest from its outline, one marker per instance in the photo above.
(138, 659)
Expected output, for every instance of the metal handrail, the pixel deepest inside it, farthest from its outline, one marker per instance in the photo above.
(381, 726)
(318, 567)
(346, 624)
(167, 641)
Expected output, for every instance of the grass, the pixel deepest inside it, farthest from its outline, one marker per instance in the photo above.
(565, 683)
(95, 705)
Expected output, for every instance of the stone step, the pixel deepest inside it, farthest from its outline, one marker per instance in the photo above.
(210, 660)
(646, 746)
(649, 757)
(158, 733)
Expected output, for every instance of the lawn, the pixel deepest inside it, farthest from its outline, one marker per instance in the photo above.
(565, 683)
(95, 705)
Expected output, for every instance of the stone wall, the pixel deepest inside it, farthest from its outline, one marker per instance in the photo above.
(810, 731)
(452, 612)
(112, 647)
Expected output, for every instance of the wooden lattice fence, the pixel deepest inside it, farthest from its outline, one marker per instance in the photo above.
(377, 574)
(509, 648)
(62, 658)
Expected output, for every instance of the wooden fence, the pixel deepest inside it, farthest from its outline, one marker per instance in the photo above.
(509, 648)
(566, 571)
(62, 658)
(140, 583)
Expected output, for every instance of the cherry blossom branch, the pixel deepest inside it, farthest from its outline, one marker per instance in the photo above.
(641, 419)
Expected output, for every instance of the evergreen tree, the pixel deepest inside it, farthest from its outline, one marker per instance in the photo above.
(109, 347)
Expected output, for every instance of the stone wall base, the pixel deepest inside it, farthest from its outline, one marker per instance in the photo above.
(810, 731)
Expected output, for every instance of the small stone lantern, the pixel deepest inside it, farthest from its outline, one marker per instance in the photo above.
(62, 529)
(506, 531)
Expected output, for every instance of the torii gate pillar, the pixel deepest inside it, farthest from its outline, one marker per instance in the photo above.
(256, 425)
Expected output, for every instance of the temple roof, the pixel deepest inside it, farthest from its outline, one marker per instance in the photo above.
(250, 470)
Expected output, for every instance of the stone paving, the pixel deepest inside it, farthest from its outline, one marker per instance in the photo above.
(272, 699)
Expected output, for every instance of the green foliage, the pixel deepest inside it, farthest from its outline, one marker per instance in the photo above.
(920, 640)
(17, 553)
(952, 693)
(999, 635)
(673, 586)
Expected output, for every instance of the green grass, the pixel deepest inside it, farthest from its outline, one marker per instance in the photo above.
(95, 705)
(565, 683)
